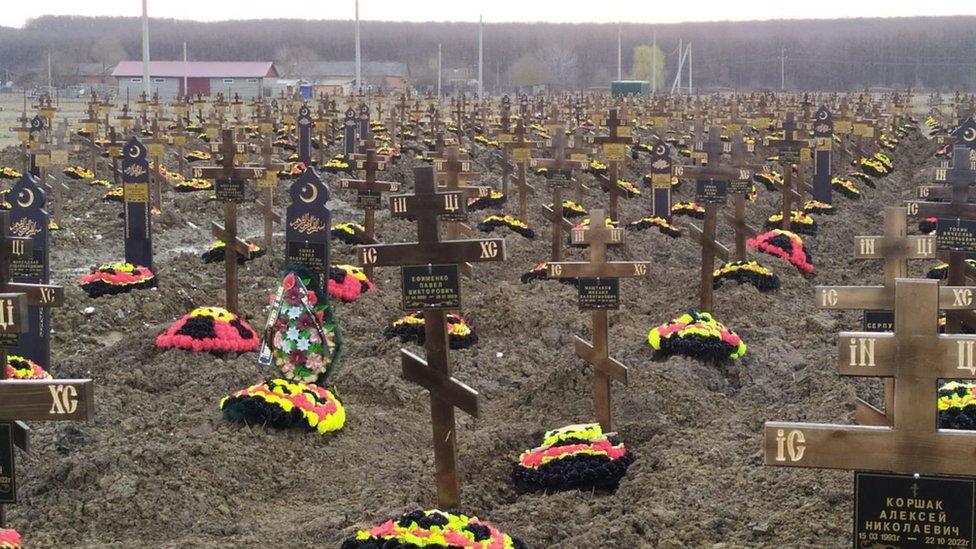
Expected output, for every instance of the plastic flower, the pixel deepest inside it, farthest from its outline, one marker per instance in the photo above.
(209, 329)
(663, 225)
(747, 272)
(575, 457)
(117, 278)
(433, 529)
(784, 245)
(697, 335)
(283, 404)
(801, 223)
(514, 224)
(411, 328)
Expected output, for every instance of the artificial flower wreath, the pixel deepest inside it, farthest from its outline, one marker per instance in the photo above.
(596, 167)
(690, 209)
(9, 539)
(571, 209)
(336, 164)
(100, 183)
(575, 457)
(283, 404)
(957, 406)
(196, 156)
(941, 271)
(772, 180)
(19, 367)
(302, 338)
(746, 272)
(846, 187)
(78, 172)
(863, 178)
(662, 225)
(818, 207)
(117, 278)
(517, 226)
(348, 232)
(785, 245)
(433, 529)
(115, 194)
(493, 200)
(696, 335)
(927, 225)
(347, 283)
(218, 251)
(294, 170)
(801, 223)
(192, 185)
(209, 329)
(629, 189)
(411, 328)
(7, 172)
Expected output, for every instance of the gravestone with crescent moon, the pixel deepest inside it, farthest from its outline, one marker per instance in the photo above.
(966, 133)
(661, 178)
(29, 219)
(135, 186)
(305, 135)
(349, 126)
(308, 221)
(823, 135)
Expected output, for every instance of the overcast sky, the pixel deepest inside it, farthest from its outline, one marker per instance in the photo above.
(16, 12)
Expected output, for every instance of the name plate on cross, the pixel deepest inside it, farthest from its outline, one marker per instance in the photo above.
(230, 190)
(711, 191)
(957, 235)
(431, 287)
(598, 294)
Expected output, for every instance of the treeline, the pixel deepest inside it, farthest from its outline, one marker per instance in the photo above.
(923, 52)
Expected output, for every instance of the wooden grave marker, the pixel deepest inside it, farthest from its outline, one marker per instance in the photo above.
(369, 193)
(917, 358)
(789, 154)
(520, 149)
(711, 191)
(895, 248)
(614, 149)
(267, 184)
(559, 174)
(959, 177)
(431, 282)
(230, 185)
(598, 283)
(739, 188)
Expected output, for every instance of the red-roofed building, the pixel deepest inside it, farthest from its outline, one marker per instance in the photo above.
(247, 78)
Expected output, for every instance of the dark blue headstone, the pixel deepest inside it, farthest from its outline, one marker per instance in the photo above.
(29, 219)
(308, 220)
(138, 223)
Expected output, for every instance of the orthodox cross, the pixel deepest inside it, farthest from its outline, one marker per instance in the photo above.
(598, 283)
(230, 184)
(431, 283)
(614, 149)
(559, 173)
(789, 154)
(369, 193)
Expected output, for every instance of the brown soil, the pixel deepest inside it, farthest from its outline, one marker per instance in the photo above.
(159, 467)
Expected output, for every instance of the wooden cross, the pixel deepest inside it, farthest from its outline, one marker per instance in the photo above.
(90, 125)
(504, 137)
(916, 357)
(614, 149)
(521, 150)
(959, 177)
(559, 174)
(230, 184)
(711, 182)
(369, 194)
(789, 154)
(739, 188)
(599, 291)
(426, 263)
(156, 149)
(895, 248)
(268, 184)
(24, 135)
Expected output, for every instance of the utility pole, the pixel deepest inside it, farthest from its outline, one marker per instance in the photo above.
(145, 47)
(481, 57)
(689, 69)
(620, 57)
(438, 71)
(654, 69)
(681, 63)
(186, 90)
(50, 88)
(782, 69)
(359, 58)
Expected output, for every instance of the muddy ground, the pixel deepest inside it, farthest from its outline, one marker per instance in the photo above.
(159, 467)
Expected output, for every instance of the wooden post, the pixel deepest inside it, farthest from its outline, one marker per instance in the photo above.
(789, 154)
(599, 291)
(230, 186)
(614, 149)
(559, 174)
(369, 193)
(419, 261)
